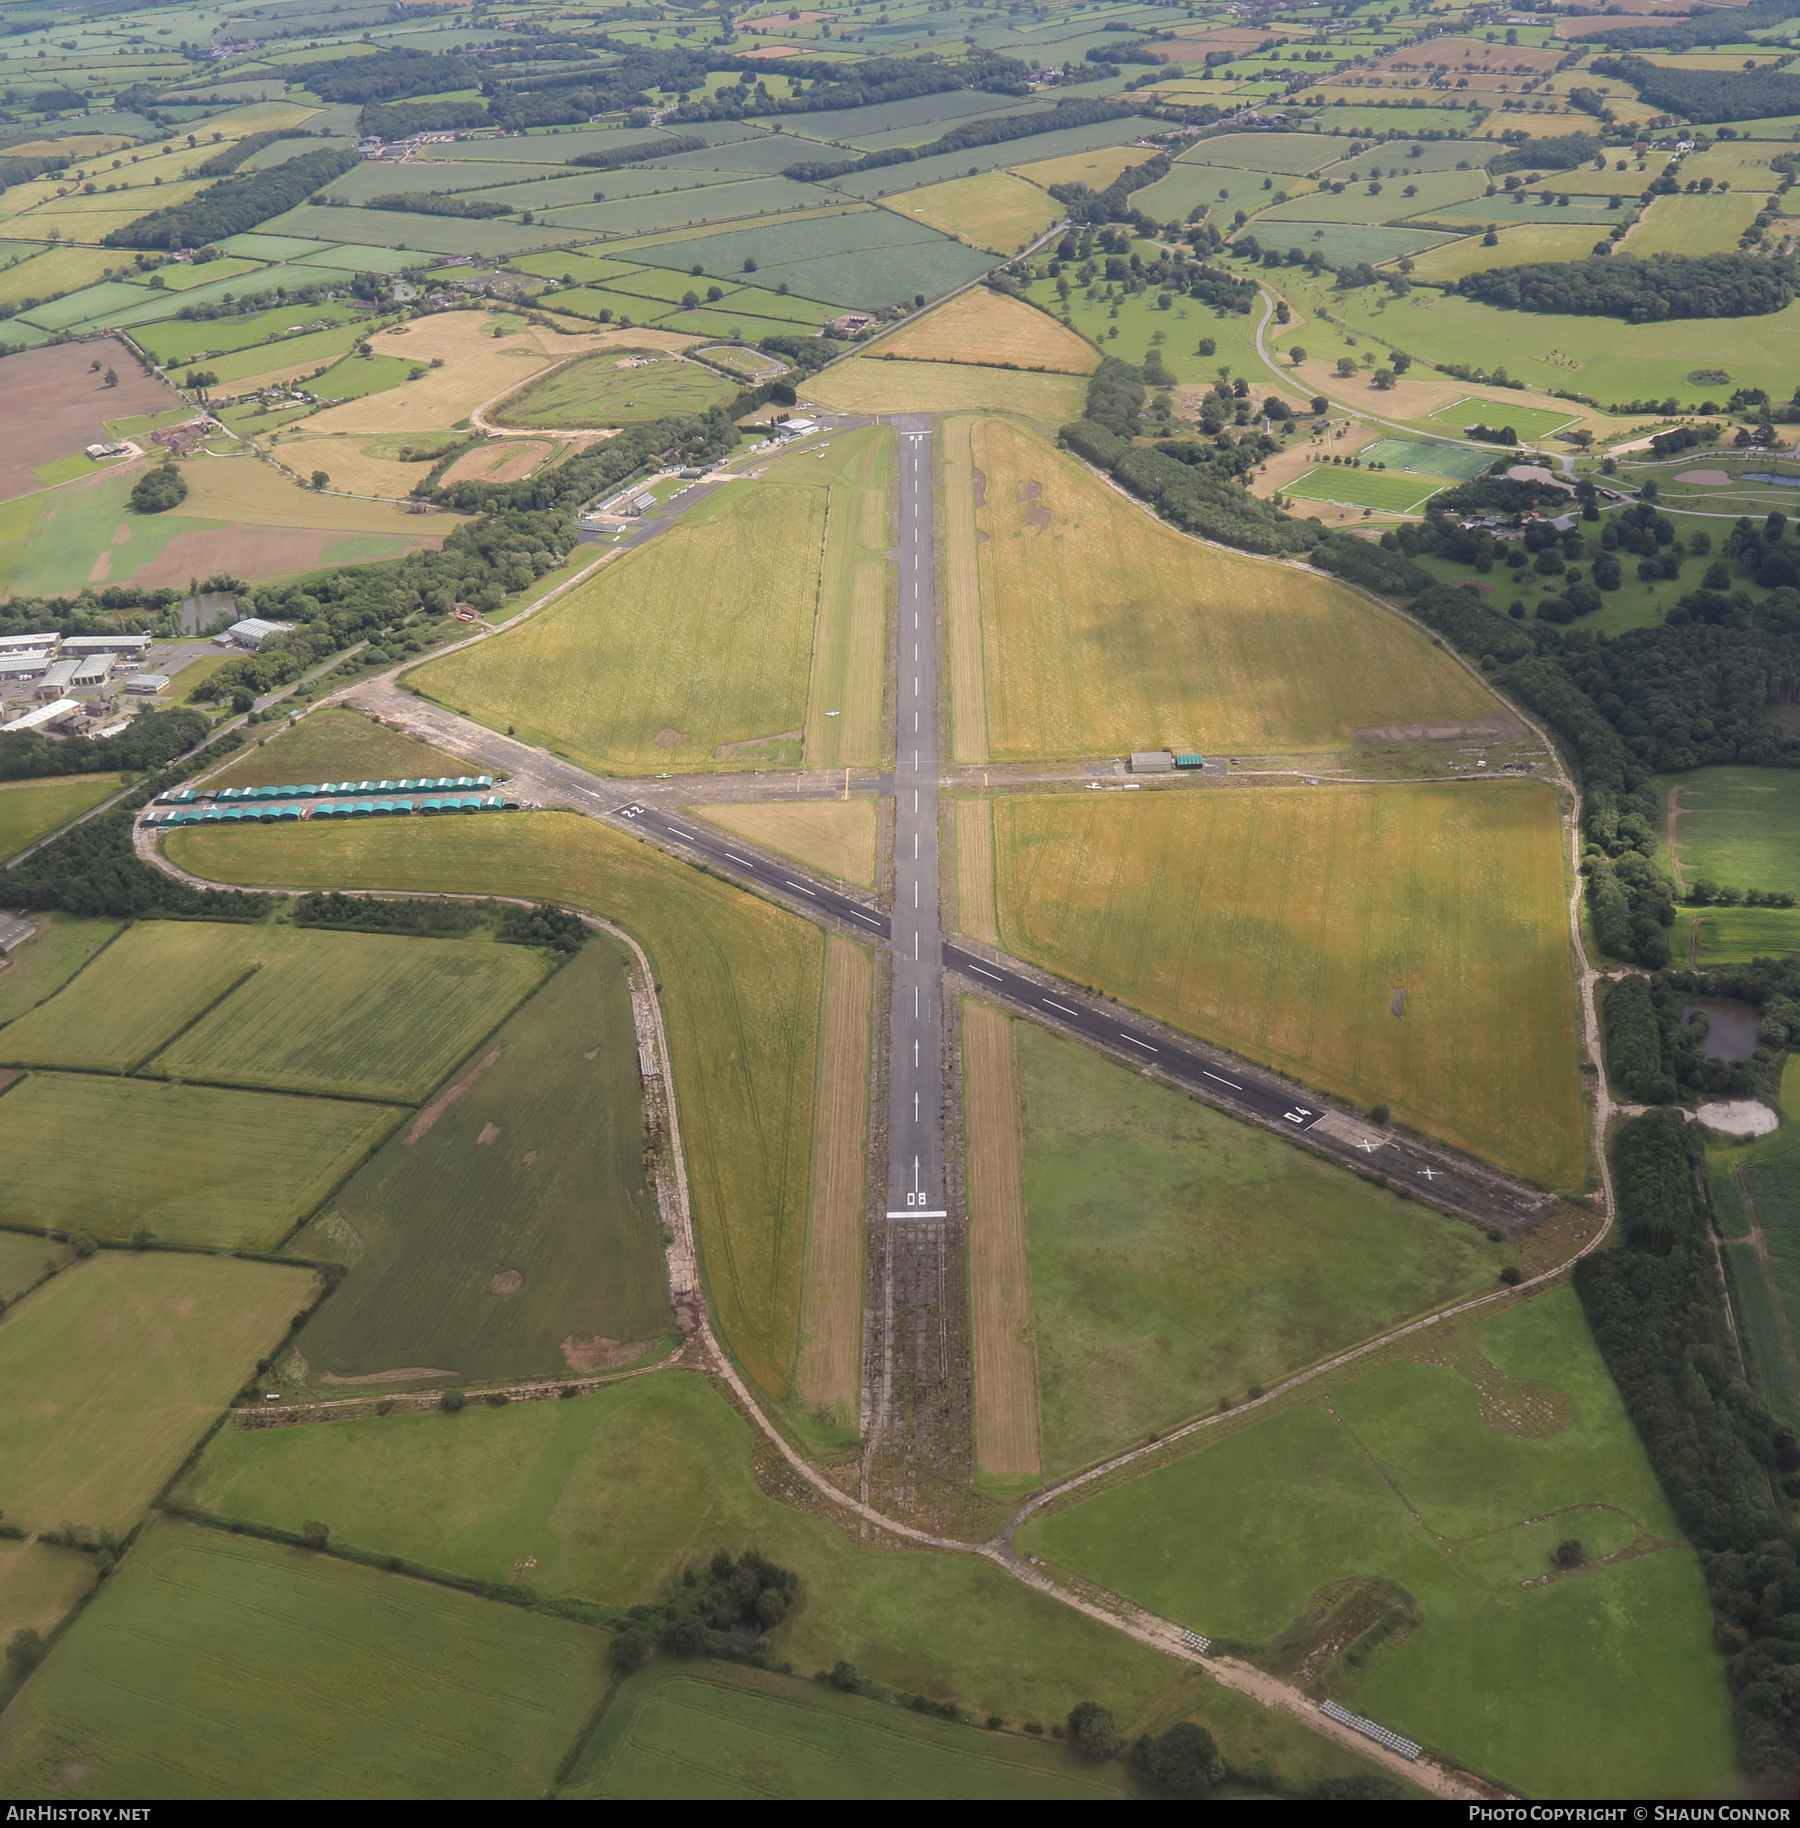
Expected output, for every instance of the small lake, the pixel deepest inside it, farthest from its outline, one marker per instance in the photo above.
(1792, 482)
(199, 613)
(1731, 1034)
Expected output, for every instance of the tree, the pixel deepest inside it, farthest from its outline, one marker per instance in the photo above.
(1092, 1729)
(320, 480)
(314, 1534)
(749, 266)
(1568, 1554)
(1346, 365)
(689, 300)
(844, 1677)
(451, 1400)
(1320, 404)
(629, 1650)
(24, 1651)
(1378, 1113)
(111, 377)
(158, 490)
(1383, 378)
(83, 1243)
(1183, 1763)
(1297, 355)
(93, 367)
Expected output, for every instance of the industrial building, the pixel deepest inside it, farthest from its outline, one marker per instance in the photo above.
(26, 663)
(106, 644)
(52, 713)
(147, 682)
(18, 644)
(90, 669)
(57, 679)
(252, 632)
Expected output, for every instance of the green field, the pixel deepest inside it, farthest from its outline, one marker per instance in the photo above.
(114, 1369)
(1457, 462)
(39, 1584)
(1335, 906)
(699, 640)
(336, 743)
(1736, 826)
(25, 1259)
(599, 389)
(1734, 936)
(1528, 421)
(296, 1010)
(1291, 153)
(1435, 191)
(29, 809)
(38, 968)
(176, 340)
(1178, 1256)
(1131, 636)
(742, 1735)
(195, 1164)
(516, 1235)
(740, 982)
(615, 1492)
(1345, 243)
(213, 1666)
(1393, 492)
(1425, 1474)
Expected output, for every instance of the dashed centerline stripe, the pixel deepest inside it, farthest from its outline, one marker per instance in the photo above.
(1230, 1082)
(1135, 1042)
(995, 975)
(801, 886)
(1062, 1006)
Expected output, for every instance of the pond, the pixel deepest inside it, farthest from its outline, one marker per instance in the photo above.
(199, 613)
(1731, 1028)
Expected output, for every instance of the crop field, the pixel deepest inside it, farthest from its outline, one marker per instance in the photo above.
(336, 743)
(740, 983)
(1527, 421)
(1179, 1256)
(1294, 153)
(1095, 169)
(615, 389)
(995, 210)
(699, 640)
(1735, 936)
(827, 1373)
(218, 1666)
(1496, 1423)
(192, 1164)
(863, 257)
(869, 384)
(836, 837)
(114, 1369)
(52, 272)
(1002, 1314)
(615, 1492)
(850, 643)
(509, 1231)
(1693, 225)
(358, 1015)
(1393, 493)
(988, 328)
(1737, 826)
(29, 809)
(39, 1585)
(1134, 636)
(730, 1734)
(1382, 940)
(40, 966)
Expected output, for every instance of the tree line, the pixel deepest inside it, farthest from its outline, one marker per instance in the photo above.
(1660, 1317)
(148, 742)
(1640, 291)
(233, 206)
(1705, 95)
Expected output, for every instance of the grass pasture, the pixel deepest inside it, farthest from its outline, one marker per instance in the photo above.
(740, 984)
(220, 1666)
(30, 809)
(1292, 153)
(991, 329)
(1422, 1473)
(844, 696)
(753, 1736)
(1693, 225)
(1132, 636)
(510, 1231)
(113, 1370)
(337, 743)
(1345, 243)
(194, 1164)
(1520, 246)
(1528, 421)
(1178, 1256)
(869, 384)
(833, 836)
(1391, 492)
(1335, 906)
(605, 390)
(1095, 169)
(1737, 826)
(1735, 936)
(994, 210)
(700, 640)
(39, 1585)
(40, 966)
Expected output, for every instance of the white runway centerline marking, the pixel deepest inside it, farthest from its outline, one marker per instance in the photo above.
(1230, 1082)
(1062, 1006)
(1135, 1042)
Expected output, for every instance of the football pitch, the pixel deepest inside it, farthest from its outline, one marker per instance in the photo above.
(1412, 454)
(1397, 493)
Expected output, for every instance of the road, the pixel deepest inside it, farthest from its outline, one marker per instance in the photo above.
(915, 1077)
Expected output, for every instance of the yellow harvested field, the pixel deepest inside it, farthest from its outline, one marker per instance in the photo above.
(835, 836)
(868, 384)
(993, 330)
(850, 647)
(962, 593)
(1133, 636)
(479, 368)
(1404, 945)
(995, 210)
(508, 461)
(975, 911)
(254, 493)
(828, 1371)
(366, 466)
(56, 271)
(1095, 169)
(1007, 1440)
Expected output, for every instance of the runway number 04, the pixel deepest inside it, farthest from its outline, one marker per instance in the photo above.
(1299, 1114)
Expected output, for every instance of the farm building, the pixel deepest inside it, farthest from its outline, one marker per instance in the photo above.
(252, 632)
(107, 644)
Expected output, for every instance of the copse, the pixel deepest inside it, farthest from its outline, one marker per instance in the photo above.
(158, 490)
(1640, 291)
(1634, 1043)
(235, 205)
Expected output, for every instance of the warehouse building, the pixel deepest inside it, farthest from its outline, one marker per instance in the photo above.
(147, 683)
(107, 644)
(252, 632)
(20, 644)
(57, 680)
(26, 663)
(90, 669)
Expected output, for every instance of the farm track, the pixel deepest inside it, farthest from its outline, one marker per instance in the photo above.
(581, 791)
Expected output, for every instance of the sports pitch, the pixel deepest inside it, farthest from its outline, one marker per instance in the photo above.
(1396, 493)
(1528, 421)
(1416, 456)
